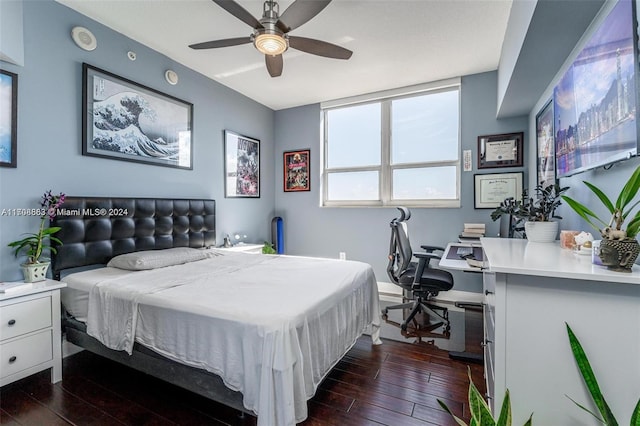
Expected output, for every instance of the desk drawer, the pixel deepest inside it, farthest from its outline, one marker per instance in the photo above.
(25, 353)
(24, 317)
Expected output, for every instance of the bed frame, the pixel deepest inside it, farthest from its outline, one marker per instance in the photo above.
(95, 229)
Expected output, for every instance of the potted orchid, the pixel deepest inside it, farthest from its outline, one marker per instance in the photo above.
(619, 248)
(36, 244)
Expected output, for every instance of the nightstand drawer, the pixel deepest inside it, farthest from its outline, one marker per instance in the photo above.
(24, 317)
(24, 353)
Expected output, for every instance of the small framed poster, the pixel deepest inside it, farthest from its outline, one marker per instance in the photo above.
(492, 189)
(296, 170)
(503, 150)
(241, 166)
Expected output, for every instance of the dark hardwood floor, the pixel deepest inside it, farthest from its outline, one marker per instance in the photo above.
(397, 383)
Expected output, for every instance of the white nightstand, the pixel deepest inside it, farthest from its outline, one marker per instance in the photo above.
(30, 334)
(245, 248)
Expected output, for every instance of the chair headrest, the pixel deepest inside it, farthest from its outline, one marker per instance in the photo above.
(405, 214)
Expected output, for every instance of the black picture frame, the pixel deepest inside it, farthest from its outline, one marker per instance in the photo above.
(241, 166)
(502, 150)
(296, 169)
(491, 189)
(9, 119)
(545, 147)
(124, 120)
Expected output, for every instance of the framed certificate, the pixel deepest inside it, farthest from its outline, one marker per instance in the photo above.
(491, 189)
(503, 150)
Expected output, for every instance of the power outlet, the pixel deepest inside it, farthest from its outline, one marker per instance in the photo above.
(343, 255)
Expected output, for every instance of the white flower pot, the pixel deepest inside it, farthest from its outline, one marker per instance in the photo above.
(541, 232)
(34, 272)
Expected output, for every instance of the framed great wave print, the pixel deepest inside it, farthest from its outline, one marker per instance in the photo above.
(8, 118)
(127, 121)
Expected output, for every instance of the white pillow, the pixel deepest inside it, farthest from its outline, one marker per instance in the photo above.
(152, 259)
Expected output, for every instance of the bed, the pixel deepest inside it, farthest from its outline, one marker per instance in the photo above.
(147, 288)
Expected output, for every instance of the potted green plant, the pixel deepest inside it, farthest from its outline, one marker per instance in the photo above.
(619, 248)
(267, 248)
(36, 244)
(592, 385)
(480, 412)
(537, 213)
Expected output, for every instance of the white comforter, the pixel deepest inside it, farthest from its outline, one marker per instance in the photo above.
(271, 326)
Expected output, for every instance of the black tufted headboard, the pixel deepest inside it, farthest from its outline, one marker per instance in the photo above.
(95, 229)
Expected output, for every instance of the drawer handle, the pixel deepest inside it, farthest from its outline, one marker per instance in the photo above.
(11, 322)
(487, 292)
(486, 342)
(12, 359)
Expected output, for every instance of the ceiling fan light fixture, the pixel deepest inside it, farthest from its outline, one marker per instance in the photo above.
(270, 44)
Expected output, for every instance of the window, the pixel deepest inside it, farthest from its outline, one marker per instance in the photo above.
(394, 148)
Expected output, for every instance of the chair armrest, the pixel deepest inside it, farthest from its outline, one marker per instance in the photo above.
(427, 256)
(429, 248)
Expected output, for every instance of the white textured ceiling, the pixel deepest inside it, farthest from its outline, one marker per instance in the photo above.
(396, 43)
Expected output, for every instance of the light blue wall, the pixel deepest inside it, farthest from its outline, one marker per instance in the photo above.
(363, 233)
(49, 130)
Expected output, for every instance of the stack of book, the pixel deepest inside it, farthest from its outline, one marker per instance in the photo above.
(472, 232)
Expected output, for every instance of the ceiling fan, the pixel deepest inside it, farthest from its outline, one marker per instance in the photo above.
(271, 33)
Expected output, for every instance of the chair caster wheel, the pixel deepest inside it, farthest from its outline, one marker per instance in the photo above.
(403, 327)
(385, 311)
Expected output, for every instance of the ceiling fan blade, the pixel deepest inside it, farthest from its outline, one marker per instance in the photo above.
(318, 47)
(221, 43)
(239, 12)
(274, 65)
(300, 12)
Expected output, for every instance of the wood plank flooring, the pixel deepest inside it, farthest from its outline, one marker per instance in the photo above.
(393, 384)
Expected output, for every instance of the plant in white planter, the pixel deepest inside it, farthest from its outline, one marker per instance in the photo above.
(537, 214)
(619, 248)
(35, 245)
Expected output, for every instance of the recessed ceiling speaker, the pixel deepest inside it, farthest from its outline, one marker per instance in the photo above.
(84, 38)
(171, 76)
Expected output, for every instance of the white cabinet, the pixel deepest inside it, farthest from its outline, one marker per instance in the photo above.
(537, 287)
(30, 335)
(489, 326)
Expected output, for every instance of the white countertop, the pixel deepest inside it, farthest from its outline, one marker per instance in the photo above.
(519, 256)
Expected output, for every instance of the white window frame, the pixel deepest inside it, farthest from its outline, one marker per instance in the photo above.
(385, 169)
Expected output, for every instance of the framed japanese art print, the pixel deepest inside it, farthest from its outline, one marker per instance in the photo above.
(8, 119)
(544, 146)
(503, 150)
(241, 166)
(296, 171)
(492, 189)
(126, 121)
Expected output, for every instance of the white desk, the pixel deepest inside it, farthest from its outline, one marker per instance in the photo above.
(531, 290)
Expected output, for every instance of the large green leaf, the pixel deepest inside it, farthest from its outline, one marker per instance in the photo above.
(478, 406)
(635, 417)
(601, 195)
(583, 212)
(590, 379)
(505, 411)
(633, 227)
(446, 408)
(629, 190)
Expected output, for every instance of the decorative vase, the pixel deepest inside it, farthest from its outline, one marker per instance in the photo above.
(34, 272)
(619, 255)
(541, 232)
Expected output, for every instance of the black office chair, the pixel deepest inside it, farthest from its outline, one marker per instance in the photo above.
(418, 278)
